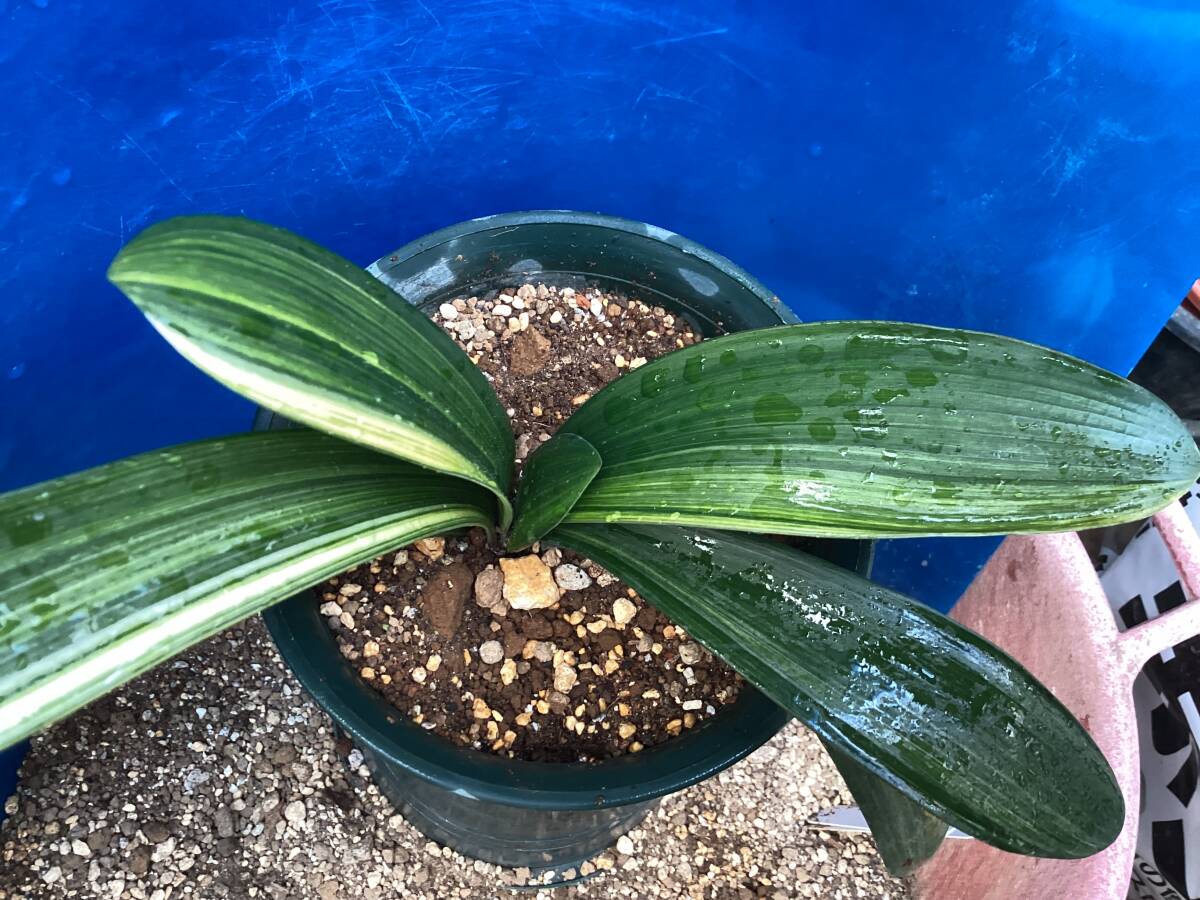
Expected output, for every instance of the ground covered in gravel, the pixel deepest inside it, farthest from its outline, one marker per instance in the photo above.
(217, 777)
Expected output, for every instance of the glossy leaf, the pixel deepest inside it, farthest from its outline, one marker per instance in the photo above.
(876, 429)
(904, 833)
(554, 477)
(915, 698)
(310, 335)
(108, 572)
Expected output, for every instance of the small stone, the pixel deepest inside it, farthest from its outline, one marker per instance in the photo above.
(626, 730)
(433, 663)
(330, 609)
(597, 626)
(480, 709)
(565, 678)
(419, 674)
(693, 705)
(625, 845)
(52, 874)
(79, 848)
(623, 611)
(367, 673)
(349, 590)
(690, 653)
(295, 812)
(543, 651)
(370, 648)
(528, 583)
(489, 588)
(433, 547)
(491, 652)
(155, 832)
(448, 312)
(580, 399)
(555, 317)
(572, 578)
(637, 362)
(508, 672)
(502, 309)
(596, 307)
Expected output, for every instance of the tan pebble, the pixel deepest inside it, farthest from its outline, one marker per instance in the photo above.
(380, 587)
(669, 632)
(610, 666)
(524, 719)
(565, 678)
(569, 723)
(623, 709)
(580, 399)
(349, 590)
(419, 674)
(656, 648)
(509, 737)
(652, 694)
(580, 632)
(613, 310)
(367, 673)
(542, 707)
(347, 620)
(576, 617)
(433, 547)
(536, 410)
(528, 583)
(635, 747)
(493, 730)
(637, 362)
(627, 730)
(433, 663)
(674, 726)
(620, 362)
(385, 678)
(370, 648)
(480, 709)
(623, 611)
(689, 720)
(597, 626)
(466, 657)
(508, 672)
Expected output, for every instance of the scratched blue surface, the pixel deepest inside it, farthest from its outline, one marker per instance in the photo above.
(1023, 167)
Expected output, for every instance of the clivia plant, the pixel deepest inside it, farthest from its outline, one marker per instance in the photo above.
(669, 477)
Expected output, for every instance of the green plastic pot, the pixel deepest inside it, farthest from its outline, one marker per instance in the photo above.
(510, 812)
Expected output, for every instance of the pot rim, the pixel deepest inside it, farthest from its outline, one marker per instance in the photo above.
(309, 650)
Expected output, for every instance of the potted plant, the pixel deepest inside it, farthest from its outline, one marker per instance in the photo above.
(849, 430)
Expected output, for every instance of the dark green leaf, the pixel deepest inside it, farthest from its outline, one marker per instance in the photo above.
(310, 335)
(108, 572)
(876, 429)
(554, 477)
(920, 701)
(905, 834)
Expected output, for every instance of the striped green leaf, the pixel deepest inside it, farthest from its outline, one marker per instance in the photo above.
(108, 572)
(876, 429)
(310, 335)
(555, 475)
(913, 697)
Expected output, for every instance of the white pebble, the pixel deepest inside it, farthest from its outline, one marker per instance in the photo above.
(571, 578)
(449, 313)
(491, 652)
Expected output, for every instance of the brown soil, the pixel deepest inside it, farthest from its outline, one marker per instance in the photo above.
(598, 674)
